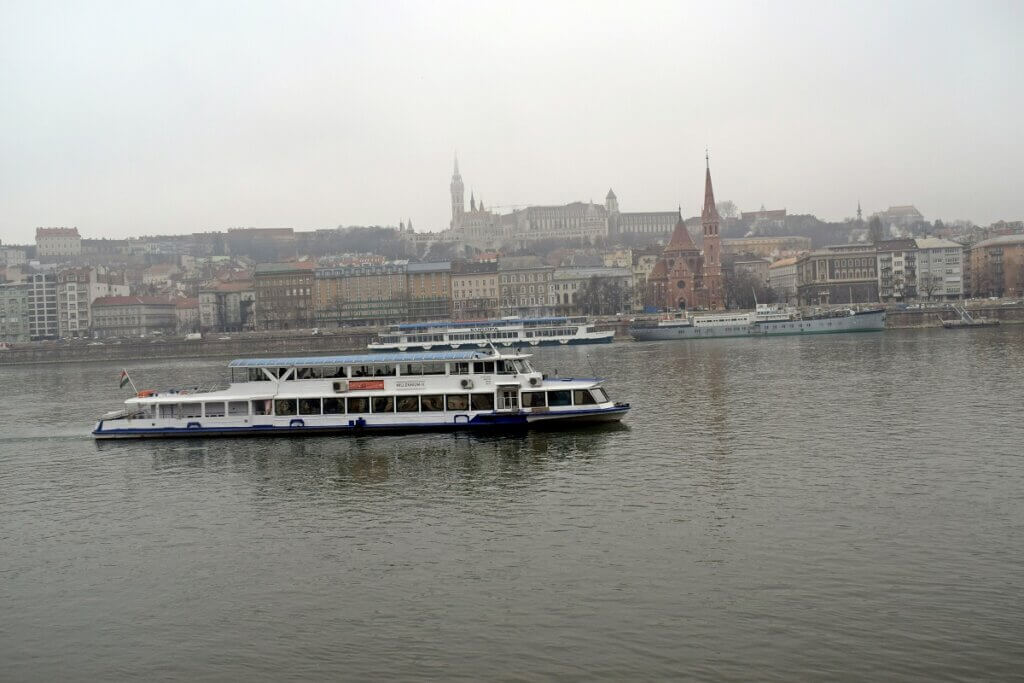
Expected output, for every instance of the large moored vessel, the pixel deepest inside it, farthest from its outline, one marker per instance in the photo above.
(359, 394)
(513, 331)
(766, 320)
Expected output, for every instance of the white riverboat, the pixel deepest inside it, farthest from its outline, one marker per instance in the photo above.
(507, 332)
(766, 320)
(368, 393)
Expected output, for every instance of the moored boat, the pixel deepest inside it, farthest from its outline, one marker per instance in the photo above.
(367, 393)
(506, 332)
(765, 320)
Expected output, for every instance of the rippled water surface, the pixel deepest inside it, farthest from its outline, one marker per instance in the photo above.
(840, 507)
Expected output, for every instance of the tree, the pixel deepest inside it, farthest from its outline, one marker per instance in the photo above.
(929, 284)
(743, 289)
(875, 230)
(603, 296)
(727, 209)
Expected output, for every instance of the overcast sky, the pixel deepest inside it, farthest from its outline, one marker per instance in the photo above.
(130, 118)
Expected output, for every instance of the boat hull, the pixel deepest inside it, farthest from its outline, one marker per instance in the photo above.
(498, 421)
(869, 321)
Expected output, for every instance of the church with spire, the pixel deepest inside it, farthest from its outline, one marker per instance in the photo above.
(683, 277)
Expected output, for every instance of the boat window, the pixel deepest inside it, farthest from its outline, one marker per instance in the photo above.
(533, 399)
(309, 406)
(600, 395)
(482, 401)
(257, 375)
(383, 404)
(559, 398)
(362, 371)
(284, 406)
(331, 371)
(238, 407)
(190, 410)
(408, 404)
(457, 401)
(215, 409)
(582, 397)
(334, 406)
(307, 373)
(520, 366)
(359, 404)
(484, 368)
(412, 369)
(460, 368)
(433, 368)
(262, 407)
(168, 410)
(506, 367)
(432, 403)
(384, 370)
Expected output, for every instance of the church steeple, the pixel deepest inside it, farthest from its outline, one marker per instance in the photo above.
(709, 218)
(472, 201)
(710, 211)
(458, 195)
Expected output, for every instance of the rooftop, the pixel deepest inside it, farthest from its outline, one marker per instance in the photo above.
(365, 358)
(1002, 240)
(132, 300)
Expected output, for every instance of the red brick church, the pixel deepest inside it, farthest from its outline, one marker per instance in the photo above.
(683, 277)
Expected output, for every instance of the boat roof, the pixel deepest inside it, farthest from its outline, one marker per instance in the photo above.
(369, 358)
(498, 322)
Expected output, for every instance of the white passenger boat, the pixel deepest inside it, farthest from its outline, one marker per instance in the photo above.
(766, 320)
(369, 393)
(508, 332)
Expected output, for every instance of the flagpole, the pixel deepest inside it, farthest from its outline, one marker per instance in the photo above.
(125, 371)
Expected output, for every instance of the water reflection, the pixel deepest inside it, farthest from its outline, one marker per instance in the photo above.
(467, 461)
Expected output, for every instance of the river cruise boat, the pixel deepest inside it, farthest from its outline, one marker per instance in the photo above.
(364, 394)
(766, 320)
(508, 332)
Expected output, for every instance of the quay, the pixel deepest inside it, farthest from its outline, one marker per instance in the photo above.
(356, 340)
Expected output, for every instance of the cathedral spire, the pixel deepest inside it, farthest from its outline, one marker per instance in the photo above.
(710, 211)
(456, 173)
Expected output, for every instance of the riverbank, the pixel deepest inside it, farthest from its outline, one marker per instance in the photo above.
(345, 341)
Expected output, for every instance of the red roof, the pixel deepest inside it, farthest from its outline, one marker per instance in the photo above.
(681, 239)
(132, 300)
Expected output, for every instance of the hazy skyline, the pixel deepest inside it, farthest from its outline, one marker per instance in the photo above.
(151, 117)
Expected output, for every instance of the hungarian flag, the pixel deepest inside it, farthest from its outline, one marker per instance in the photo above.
(124, 379)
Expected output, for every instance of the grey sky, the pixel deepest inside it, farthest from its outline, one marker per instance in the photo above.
(130, 118)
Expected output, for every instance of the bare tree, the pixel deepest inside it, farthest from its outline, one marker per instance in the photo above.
(727, 209)
(875, 230)
(930, 284)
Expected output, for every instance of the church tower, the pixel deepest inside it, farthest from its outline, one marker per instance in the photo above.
(714, 286)
(458, 196)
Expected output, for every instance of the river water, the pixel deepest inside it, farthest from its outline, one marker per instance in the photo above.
(838, 507)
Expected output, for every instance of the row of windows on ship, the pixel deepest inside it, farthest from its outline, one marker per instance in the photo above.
(363, 405)
(490, 367)
(481, 334)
